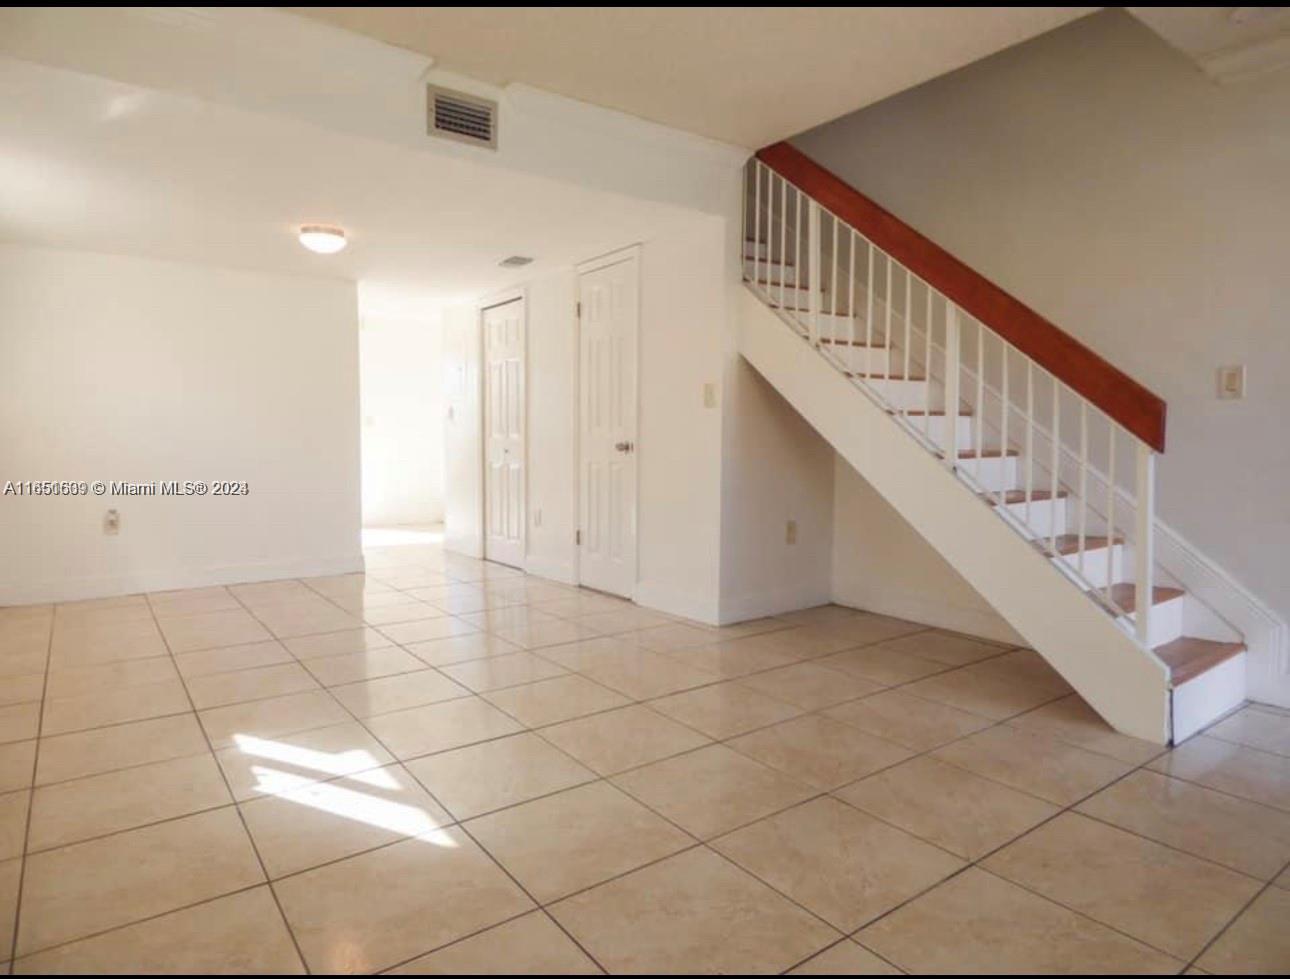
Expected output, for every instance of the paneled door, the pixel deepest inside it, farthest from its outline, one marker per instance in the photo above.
(504, 441)
(607, 427)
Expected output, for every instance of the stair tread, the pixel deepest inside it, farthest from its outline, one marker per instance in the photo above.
(1125, 595)
(987, 453)
(935, 412)
(855, 343)
(1069, 543)
(1188, 657)
(888, 377)
(1019, 496)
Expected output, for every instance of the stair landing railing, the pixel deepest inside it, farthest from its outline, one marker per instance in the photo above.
(884, 304)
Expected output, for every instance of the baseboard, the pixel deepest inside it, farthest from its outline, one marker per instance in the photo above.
(169, 579)
(663, 598)
(742, 608)
(982, 623)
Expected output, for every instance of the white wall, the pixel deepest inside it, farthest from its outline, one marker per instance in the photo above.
(118, 368)
(1099, 176)
(402, 380)
(463, 511)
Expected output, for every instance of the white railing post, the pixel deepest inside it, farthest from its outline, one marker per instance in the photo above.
(951, 385)
(1144, 546)
(813, 279)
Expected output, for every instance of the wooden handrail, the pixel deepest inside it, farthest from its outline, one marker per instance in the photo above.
(1079, 368)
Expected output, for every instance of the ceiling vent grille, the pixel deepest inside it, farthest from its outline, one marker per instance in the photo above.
(465, 118)
(515, 262)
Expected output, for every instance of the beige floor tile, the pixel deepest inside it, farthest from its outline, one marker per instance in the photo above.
(1160, 896)
(305, 617)
(724, 710)
(712, 790)
(552, 701)
(1075, 722)
(995, 697)
(190, 601)
(846, 958)
(239, 934)
(1242, 835)
(389, 905)
(949, 648)
(910, 721)
(977, 923)
(810, 686)
(228, 659)
(17, 761)
(691, 913)
(82, 651)
(670, 637)
(460, 649)
(573, 605)
(531, 944)
(616, 740)
(865, 628)
(13, 824)
(258, 593)
(730, 660)
(1256, 727)
(206, 630)
(21, 689)
(637, 673)
(1247, 772)
(389, 613)
(629, 619)
(563, 843)
(483, 777)
(1257, 942)
(1052, 770)
(1284, 879)
(222, 689)
(271, 717)
(496, 620)
(426, 629)
(961, 812)
(796, 644)
(845, 866)
(114, 801)
(400, 692)
(331, 671)
(19, 722)
(325, 821)
(341, 643)
(439, 727)
(259, 766)
(77, 681)
(106, 749)
(819, 615)
(820, 751)
(10, 882)
(93, 710)
(885, 666)
(89, 887)
(496, 672)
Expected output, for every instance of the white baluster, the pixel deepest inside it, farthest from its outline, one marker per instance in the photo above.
(813, 270)
(1144, 546)
(952, 384)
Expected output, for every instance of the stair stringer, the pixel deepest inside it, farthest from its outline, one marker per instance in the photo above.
(1120, 679)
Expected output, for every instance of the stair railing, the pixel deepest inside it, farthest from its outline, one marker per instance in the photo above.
(925, 337)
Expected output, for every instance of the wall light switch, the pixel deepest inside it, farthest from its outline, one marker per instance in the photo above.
(709, 395)
(112, 522)
(1231, 383)
(790, 532)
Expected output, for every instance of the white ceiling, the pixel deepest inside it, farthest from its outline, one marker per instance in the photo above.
(1228, 43)
(746, 75)
(92, 163)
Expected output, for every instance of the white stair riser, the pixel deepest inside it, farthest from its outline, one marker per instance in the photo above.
(992, 473)
(936, 427)
(1095, 570)
(1166, 621)
(788, 294)
(826, 325)
(759, 249)
(907, 395)
(875, 360)
(763, 270)
(1047, 517)
(1205, 698)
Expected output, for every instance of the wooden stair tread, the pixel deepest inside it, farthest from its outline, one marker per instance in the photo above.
(935, 412)
(1069, 543)
(1019, 496)
(1188, 657)
(1125, 595)
(987, 453)
(855, 343)
(887, 377)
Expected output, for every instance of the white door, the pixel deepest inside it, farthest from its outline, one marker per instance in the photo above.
(504, 511)
(607, 419)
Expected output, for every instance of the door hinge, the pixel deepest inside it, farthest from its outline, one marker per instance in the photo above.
(578, 306)
(577, 537)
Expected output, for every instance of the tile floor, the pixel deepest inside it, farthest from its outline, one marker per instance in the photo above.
(448, 767)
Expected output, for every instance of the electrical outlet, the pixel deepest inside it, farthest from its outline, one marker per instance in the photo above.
(790, 532)
(112, 522)
(1231, 383)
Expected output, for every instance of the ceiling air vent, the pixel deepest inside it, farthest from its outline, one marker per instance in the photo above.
(515, 262)
(456, 115)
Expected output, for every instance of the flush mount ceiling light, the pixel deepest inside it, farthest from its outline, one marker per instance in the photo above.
(324, 239)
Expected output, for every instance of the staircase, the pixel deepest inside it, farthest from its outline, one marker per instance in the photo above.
(1022, 457)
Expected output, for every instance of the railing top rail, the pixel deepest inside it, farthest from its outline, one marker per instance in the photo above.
(1136, 409)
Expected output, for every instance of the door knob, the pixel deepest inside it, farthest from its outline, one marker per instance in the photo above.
(624, 446)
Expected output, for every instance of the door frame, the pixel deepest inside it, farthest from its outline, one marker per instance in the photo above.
(493, 300)
(628, 253)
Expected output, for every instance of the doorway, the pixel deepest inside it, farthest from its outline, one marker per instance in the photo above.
(504, 433)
